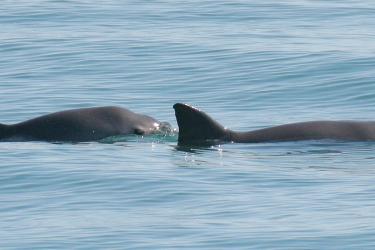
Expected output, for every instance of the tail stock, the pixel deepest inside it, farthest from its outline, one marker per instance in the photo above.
(4, 131)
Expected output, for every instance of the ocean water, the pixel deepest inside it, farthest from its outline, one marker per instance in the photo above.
(249, 64)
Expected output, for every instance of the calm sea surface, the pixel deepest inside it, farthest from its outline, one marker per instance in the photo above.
(249, 64)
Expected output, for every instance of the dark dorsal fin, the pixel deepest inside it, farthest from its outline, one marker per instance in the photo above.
(196, 127)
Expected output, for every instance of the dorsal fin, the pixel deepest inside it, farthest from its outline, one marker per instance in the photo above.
(196, 127)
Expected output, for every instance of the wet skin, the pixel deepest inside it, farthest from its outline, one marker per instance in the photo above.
(79, 125)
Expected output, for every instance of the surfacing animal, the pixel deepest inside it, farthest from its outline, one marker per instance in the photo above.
(196, 127)
(81, 125)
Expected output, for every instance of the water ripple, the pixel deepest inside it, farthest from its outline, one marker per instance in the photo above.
(248, 64)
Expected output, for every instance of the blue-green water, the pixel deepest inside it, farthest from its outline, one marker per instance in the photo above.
(246, 63)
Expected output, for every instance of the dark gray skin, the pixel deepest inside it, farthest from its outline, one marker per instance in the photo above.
(196, 127)
(80, 125)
